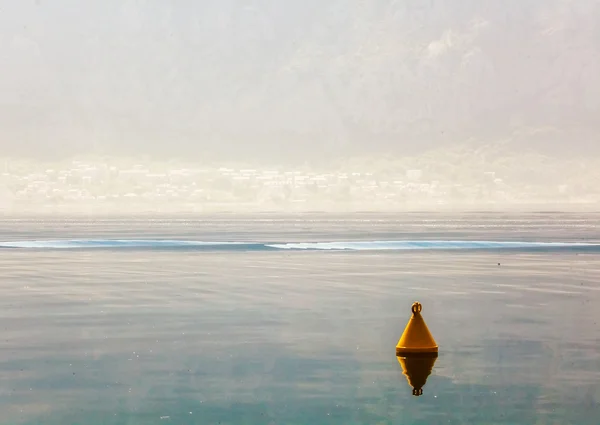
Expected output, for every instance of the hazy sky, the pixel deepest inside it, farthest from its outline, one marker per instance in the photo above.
(297, 78)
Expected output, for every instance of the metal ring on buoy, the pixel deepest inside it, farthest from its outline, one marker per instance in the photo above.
(416, 308)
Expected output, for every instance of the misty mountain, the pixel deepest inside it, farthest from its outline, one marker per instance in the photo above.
(298, 79)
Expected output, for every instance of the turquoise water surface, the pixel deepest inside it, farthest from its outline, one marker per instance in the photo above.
(114, 331)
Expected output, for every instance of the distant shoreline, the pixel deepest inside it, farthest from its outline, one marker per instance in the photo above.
(332, 209)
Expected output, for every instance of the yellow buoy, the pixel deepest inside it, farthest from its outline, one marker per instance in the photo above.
(416, 338)
(416, 369)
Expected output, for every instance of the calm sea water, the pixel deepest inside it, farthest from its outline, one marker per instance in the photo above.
(130, 334)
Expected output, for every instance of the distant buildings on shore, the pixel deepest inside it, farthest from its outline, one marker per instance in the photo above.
(103, 184)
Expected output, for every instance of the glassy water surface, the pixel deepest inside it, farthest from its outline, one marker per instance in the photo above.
(142, 335)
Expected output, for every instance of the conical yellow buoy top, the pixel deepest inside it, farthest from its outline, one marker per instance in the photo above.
(416, 338)
(416, 369)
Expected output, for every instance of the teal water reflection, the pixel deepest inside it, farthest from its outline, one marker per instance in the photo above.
(302, 338)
